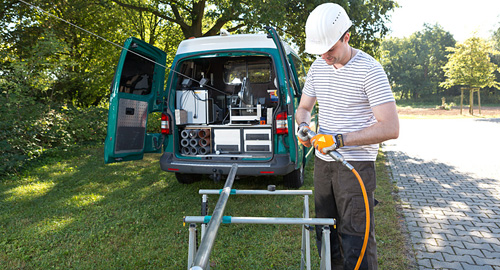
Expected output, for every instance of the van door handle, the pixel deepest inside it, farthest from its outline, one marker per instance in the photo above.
(129, 111)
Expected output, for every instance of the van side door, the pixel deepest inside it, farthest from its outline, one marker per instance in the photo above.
(136, 91)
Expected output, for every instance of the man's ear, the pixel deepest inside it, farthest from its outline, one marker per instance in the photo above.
(347, 36)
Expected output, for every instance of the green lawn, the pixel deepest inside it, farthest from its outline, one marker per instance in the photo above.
(75, 212)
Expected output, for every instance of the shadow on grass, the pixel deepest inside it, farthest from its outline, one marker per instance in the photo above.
(73, 211)
(76, 212)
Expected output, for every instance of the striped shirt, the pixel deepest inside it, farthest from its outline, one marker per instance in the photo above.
(345, 99)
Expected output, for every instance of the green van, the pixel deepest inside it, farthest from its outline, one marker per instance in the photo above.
(228, 99)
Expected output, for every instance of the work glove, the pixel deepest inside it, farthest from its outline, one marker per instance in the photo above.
(302, 135)
(327, 143)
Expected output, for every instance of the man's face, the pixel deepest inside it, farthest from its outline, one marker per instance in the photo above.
(336, 53)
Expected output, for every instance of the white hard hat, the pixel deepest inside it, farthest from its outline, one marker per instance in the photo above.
(324, 27)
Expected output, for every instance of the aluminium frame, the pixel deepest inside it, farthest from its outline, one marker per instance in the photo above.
(198, 258)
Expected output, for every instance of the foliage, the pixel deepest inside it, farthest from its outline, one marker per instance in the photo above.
(414, 64)
(57, 61)
(495, 59)
(29, 129)
(469, 64)
(54, 77)
(208, 17)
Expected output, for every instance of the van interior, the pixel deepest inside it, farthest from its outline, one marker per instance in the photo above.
(225, 105)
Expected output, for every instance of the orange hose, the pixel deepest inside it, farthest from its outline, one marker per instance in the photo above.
(367, 210)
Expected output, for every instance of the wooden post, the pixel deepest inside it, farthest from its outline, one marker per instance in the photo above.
(471, 101)
(461, 99)
(479, 99)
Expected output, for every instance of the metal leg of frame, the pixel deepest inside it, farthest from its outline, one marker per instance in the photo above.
(192, 244)
(305, 260)
(204, 211)
(306, 240)
(303, 248)
(326, 262)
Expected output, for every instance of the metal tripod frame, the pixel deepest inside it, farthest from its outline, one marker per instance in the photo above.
(198, 258)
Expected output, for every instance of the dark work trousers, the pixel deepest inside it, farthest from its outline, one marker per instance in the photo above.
(337, 194)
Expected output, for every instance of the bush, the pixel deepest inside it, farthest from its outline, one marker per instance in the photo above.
(87, 124)
(30, 128)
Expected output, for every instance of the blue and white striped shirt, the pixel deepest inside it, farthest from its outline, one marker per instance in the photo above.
(345, 97)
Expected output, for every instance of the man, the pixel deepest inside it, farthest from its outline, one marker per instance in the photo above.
(357, 111)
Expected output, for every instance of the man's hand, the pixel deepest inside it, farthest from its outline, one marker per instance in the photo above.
(302, 135)
(327, 143)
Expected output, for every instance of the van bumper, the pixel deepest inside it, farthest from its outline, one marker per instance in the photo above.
(278, 165)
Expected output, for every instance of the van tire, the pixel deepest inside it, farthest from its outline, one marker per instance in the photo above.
(187, 178)
(294, 179)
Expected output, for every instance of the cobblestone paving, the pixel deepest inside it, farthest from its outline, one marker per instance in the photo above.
(448, 175)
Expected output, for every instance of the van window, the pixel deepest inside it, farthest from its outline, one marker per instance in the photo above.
(299, 70)
(137, 75)
(256, 71)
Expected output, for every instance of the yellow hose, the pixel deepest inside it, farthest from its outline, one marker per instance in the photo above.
(367, 210)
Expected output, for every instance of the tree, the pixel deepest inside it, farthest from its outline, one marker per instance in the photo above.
(469, 65)
(76, 67)
(493, 94)
(207, 17)
(55, 61)
(414, 64)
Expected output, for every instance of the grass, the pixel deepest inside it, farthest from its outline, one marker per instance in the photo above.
(72, 211)
(393, 248)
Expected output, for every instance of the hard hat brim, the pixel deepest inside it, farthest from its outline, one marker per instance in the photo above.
(314, 48)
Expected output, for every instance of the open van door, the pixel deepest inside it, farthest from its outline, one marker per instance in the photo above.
(136, 91)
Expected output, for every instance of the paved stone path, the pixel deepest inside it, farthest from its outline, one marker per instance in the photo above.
(448, 175)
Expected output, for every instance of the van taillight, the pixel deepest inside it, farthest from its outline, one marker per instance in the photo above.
(165, 124)
(281, 123)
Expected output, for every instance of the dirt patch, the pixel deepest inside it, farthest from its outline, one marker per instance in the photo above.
(454, 111)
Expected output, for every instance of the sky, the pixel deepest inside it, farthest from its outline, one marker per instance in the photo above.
(460, 18)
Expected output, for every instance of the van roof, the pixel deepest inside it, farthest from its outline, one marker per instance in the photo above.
(215, 43)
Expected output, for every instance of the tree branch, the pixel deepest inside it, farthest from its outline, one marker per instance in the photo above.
(146, 9)
(178, 18)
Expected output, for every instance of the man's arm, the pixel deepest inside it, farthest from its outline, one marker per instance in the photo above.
(303, 113)
(386, 128)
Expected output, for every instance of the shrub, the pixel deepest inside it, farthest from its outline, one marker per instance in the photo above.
(29, 129)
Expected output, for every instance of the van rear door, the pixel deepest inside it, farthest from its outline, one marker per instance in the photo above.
(136, 91)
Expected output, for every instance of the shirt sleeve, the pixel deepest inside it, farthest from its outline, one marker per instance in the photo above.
(309, 84)
(377, 87)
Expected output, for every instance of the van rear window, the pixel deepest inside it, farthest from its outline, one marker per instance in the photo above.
(137, 75)
(257, 71)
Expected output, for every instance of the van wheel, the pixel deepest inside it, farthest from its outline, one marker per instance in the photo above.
(294, 179)
(187, 178)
